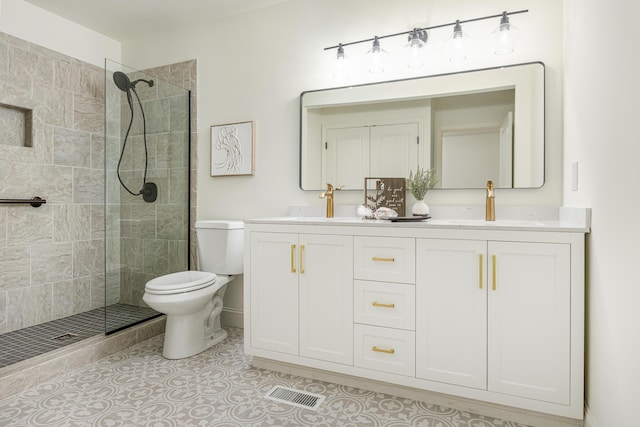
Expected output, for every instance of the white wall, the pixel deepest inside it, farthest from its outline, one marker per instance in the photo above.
(30, 23)
(602, 108)
(254, 67)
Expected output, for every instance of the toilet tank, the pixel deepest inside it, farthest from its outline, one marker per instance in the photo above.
(221, 246)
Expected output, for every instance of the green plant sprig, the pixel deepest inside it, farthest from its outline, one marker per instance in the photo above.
(421, 182)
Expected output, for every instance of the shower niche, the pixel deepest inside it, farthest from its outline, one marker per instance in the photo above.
(147, 163)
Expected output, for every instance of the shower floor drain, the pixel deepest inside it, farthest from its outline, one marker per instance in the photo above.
(298, 398)
(64, 337)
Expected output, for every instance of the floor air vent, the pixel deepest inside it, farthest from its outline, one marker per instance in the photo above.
(298, 398)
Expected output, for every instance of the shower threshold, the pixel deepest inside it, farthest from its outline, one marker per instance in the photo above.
(33, 341)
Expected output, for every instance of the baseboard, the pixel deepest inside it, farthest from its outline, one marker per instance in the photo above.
(28, 373)
(232, 317)
(507, 413)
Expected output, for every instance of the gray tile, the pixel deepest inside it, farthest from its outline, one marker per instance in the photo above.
(88, 186)
(88, 258)
(71, 297)
(71, 147)
(88, 114)
(15, 265)
(3, 311)
(51, 262)
(71, 222)
(156, 257)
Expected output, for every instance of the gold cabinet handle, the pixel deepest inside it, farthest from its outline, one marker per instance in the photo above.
(383, 350)
(480, 266)
(493, 268)
(375, 258)
(293, 258)
(301, 266)
(379, 304)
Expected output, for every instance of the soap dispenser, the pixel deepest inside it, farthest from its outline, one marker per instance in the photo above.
(490, 214)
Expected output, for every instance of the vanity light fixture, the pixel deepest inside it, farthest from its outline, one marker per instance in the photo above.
(504, 38)
(458, 44)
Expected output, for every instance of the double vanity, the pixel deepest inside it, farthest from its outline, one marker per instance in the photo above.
(476, 310)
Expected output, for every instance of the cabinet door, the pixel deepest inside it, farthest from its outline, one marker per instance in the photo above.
(451, 311)
(529, 323)
(326, 297)
(274, 292)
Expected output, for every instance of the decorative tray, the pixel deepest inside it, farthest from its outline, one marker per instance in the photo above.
(409, 218)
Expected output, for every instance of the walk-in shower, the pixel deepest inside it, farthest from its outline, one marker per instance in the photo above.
(89, 246)
(147, 138)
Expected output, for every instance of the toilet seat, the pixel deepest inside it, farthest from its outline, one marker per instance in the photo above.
(183, 281)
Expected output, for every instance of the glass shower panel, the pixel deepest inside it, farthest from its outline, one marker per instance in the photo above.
(146, 186)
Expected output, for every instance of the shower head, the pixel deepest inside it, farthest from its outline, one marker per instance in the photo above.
(124, 84)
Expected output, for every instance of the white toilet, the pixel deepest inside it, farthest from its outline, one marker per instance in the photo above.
(192, 300)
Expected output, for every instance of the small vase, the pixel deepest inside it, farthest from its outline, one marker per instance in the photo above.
(420, 208)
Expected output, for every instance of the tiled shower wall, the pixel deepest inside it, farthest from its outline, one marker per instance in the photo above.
(153, 236)
(51, 257)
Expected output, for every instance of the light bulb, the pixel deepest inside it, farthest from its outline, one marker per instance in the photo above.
(342, 65)
(377, 57)
(504, 37)
(457, 44)
(415, 48)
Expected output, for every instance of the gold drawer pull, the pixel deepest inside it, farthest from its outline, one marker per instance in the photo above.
(382, 350)
(293, 256)
(301, 259)
(379, 304)
(375, 258)
(493, 267)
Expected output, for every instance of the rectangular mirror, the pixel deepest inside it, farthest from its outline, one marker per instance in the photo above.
(470, 126)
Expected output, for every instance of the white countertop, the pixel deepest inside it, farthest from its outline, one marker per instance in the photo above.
(577, 220)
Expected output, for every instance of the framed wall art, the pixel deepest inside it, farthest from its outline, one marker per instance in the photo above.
(232, 149)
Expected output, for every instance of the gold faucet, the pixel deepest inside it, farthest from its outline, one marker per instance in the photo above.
(491, 205)
(329, 196)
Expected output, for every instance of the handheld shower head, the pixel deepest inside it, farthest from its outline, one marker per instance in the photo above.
(123, 82)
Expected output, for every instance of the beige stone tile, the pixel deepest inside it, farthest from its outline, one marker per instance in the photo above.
(178, 258)
(3, 226)
(88, 186)
(71, 147)
(54, 183)
(26, 63)
(97, 222)
(88, 258)
(71, 222)
(179, 186)
(132, 253)
(13, 183)
(3, 311)
(97, 291)
(172, 222)
(26, 225)
(21, 311)
(43, 303)
(15, 262)
(55, 106)
(71, 297)
(156, 257)
(51, 262)
(88, 114)
(97, 151)
(113, 288)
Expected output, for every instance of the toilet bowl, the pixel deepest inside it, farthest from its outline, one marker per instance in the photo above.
(193, 300)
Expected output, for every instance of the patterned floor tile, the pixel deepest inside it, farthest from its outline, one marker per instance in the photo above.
(219, 387)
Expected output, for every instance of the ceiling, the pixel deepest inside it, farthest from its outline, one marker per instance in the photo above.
(126, 19)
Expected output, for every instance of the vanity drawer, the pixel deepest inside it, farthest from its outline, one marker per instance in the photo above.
(391, 305)
(385, 259)
(385, 349)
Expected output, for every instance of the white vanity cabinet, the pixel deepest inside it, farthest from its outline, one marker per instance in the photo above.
(507, 310)
(477, 311)
(301, 290)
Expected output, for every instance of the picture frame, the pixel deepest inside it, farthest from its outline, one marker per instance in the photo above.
(232, 149)
(385, 192)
